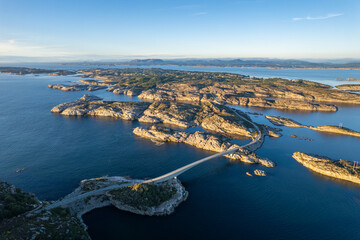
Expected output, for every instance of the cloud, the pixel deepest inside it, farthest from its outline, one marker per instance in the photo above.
(330, 15)
(17, 47)
(199, 13)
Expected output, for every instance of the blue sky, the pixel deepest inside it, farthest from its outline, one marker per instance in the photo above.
(95, 30)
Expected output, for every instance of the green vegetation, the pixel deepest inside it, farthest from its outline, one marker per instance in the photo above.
(14, 202)
(61, 212)
(154, 77)
(88, 186)
(150, 78)
(142, 196)
(56, 224)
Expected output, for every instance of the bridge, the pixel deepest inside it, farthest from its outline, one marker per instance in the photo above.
(183, 169)
(165, 177)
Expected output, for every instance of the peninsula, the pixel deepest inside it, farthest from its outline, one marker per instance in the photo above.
(22, 214)
(76, 87)
(347, 79)
(340, 169)
(349, 87)
(331, 129)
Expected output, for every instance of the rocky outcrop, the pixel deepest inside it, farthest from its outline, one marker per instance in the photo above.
(335, 130)
(129, 91)
(271, 131)
(340, 169)
(259, 172)
(135, 197)
(281, 121)
(76, 87)
(89, 97)
(332, 129)
(295, 105)
(202, 140)
(222, 120)
(91, 106)
(303, 93)
(349, 87)
(175, 95)
(347, 79)
(96, 82)
(179, 114)
(244, 95)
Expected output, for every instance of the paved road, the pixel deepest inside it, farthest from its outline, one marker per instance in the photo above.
(165, 177)
(91, 193)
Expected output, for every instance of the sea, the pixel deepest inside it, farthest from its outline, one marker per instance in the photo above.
(49, 154)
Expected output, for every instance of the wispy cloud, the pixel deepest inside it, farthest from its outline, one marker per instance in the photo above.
(199, 13)
(15, 47)
(330, 15)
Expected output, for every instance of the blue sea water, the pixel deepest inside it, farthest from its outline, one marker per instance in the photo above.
(57, 152)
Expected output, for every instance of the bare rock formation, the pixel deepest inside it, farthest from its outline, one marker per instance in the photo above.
(202, 140)
(341, 169)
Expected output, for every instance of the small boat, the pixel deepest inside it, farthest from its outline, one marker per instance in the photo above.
(249, 174)
(20, 170)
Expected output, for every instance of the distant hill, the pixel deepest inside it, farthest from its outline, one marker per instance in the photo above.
(271, 63)
(147, 61)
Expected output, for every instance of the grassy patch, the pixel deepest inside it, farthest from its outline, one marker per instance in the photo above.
(142, 196)
(13, 203)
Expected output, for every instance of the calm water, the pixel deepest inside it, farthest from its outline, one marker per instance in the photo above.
(224, 203)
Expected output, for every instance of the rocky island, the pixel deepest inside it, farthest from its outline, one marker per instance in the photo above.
(95, 82)
(281, 121)
(76, 87)
(347, 79)
(331, 129)
(129, 91)
(349, 87)
(340, 169)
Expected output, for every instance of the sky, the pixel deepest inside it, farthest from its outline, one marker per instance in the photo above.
(73, 30)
